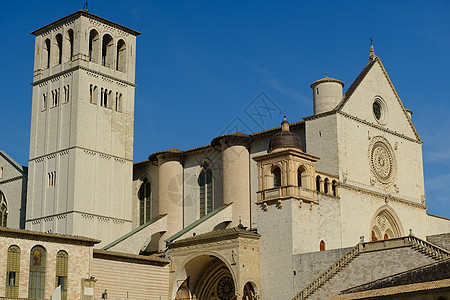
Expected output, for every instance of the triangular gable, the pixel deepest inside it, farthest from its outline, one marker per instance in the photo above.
(359, 83)
(6, 159)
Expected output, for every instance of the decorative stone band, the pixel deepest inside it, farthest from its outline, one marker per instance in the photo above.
(62, 73)
(383, 196)
(12, 179)
(83, 214)
(85, 151)
(379, 127)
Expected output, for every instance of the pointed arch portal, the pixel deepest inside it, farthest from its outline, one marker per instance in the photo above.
(385, 225)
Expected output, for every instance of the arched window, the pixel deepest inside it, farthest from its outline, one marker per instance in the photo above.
(46, 54)
(121, 56)
(145, 201)
(205, 183)
(93, 94)
(318, 183)
(69, 45)
(302, 179)
(322, 246)
(107, 49)
(374, 236)
(118, 102)
(62, 261)
(333, 187)
(36, 284)
(1, 172)
(57, 59)
(3, 211)
(325, 186)
(93, 45)
(249, 291)
(12, 272)
(276, 174)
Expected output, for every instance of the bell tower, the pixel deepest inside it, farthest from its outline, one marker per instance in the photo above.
(81, 143)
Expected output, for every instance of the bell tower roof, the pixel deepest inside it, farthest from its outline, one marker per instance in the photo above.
(79, 13)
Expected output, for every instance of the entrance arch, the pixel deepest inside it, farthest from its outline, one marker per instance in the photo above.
(385, 225)
(210, 278)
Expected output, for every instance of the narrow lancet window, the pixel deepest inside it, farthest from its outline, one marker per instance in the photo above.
(145, 201)
(205, 183)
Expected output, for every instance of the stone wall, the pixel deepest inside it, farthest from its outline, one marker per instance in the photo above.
(440, 240)
(437, 271)
(309, 266)
(132, 280)
(79, 262)
(380, 263)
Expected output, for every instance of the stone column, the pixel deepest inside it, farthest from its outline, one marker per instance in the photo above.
(235, 176)
(170, 191)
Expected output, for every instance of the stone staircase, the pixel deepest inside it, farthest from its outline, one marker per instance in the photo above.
(429, 250)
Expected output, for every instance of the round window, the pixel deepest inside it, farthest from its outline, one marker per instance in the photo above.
(379, 110)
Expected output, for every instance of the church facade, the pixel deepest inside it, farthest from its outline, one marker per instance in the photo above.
(238, 218)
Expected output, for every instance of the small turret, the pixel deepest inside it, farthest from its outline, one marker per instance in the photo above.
(327, 93)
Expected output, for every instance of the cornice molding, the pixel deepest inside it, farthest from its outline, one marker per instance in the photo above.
(62, 73)
(87, 151)
(381, 195)
(12, 179)
(379, 127)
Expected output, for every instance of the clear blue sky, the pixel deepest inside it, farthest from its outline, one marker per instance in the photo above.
(200, 63)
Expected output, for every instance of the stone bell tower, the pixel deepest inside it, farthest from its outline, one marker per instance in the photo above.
(81, 143)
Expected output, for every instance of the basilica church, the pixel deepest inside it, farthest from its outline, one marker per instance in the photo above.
(332, 205)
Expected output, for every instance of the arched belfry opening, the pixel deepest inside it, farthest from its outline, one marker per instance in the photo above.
(385, 225)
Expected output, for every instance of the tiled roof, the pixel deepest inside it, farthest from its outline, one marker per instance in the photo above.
(120, 256)
(396, 290)
(89, 15)
(35, 235)
(356, 83)
(220, 234)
